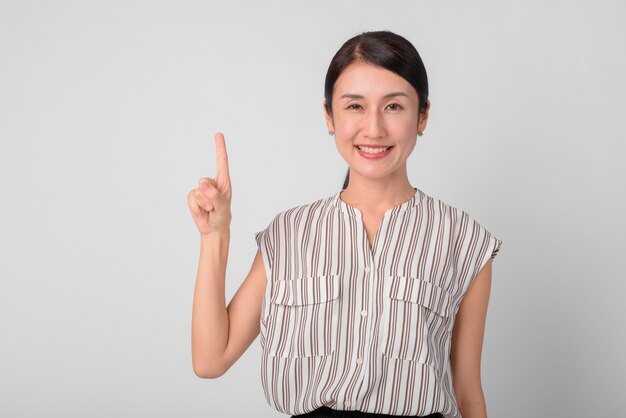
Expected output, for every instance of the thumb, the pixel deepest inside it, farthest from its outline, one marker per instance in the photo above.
(216, 197)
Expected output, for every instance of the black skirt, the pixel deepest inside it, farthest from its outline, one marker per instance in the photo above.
(325, 411)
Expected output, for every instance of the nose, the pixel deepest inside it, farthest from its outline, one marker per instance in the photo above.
(374, 124)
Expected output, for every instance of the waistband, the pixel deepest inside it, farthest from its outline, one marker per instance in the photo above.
(325, 411)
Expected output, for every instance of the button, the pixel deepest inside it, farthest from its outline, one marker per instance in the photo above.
(367, 269)
(359, 360)
(348, 403)
(363, 313)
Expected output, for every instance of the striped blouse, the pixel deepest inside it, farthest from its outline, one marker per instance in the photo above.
(355, 326)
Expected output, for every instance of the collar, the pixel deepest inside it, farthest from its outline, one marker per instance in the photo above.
(414, 201)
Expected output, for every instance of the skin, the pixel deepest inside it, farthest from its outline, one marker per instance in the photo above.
(221, 334)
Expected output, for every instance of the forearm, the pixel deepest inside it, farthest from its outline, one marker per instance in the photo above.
(210, 322)
(473, 409)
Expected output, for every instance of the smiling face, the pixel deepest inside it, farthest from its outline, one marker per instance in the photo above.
(374, 109)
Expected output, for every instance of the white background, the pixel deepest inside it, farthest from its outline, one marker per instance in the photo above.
(107, 116)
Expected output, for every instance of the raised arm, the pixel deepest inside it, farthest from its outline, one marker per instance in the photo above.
(220, 334)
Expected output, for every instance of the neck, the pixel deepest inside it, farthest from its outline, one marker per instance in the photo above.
(376, 195)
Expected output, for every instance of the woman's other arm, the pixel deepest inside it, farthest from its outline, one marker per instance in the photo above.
(467, 344)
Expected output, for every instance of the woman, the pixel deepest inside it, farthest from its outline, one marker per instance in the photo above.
(369, 302)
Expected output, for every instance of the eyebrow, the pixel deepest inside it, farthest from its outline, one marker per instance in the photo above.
(386, 96)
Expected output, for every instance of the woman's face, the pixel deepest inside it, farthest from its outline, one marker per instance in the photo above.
(374, 107)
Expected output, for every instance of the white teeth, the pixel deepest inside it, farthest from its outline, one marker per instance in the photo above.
(372, 150)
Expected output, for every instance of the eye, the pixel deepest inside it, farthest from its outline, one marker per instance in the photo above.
(398, 107)
(354, 104)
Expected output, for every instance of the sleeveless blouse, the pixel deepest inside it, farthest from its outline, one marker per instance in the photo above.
(355, 326)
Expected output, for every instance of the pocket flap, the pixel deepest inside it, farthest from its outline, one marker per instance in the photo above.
(306, 290)
(415, 290)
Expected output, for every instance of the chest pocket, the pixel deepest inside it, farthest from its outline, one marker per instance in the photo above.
(416, 320)
(303, 316)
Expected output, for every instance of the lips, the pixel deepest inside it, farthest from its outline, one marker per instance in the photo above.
(373, 153)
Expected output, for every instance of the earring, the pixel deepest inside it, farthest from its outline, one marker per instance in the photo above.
(331, 133)
(420, 133)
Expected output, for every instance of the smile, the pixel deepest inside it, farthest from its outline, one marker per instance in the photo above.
(373, 152)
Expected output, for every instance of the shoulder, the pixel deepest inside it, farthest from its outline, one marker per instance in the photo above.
(294, 216)
(462, 223)
(472, 245)
(316, 207)
(443, 210)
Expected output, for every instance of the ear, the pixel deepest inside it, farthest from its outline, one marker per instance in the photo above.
(423, 117)
(329, 119)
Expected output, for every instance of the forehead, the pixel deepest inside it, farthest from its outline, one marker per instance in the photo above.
(366, 79)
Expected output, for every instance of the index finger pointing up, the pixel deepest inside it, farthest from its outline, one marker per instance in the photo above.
(222, 175)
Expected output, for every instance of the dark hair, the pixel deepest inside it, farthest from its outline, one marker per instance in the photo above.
(385, 49)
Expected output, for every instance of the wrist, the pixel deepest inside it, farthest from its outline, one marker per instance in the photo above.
(215, 235)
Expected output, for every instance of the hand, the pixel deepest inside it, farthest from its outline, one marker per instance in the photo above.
(209, 203)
